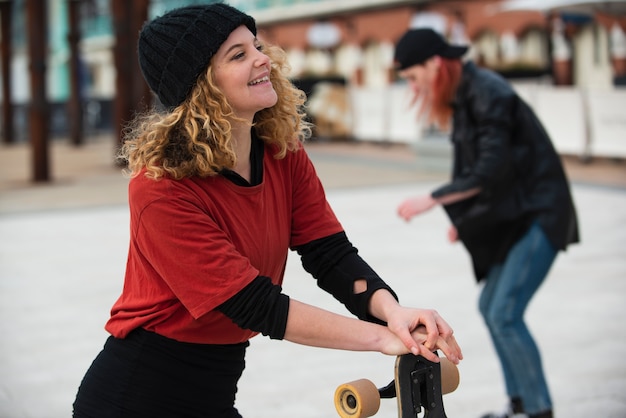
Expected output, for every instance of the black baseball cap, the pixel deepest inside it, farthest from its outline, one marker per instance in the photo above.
(418, 45)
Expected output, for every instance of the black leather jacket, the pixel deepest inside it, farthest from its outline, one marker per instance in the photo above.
(501, 147)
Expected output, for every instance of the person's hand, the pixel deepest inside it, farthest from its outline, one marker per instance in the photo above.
(447, 346)
(453, 234)
(415, 205)
(423, 331)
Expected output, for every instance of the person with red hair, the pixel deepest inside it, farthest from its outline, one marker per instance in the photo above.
(508, 200)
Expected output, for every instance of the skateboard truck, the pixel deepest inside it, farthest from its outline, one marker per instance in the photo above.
(418, 385)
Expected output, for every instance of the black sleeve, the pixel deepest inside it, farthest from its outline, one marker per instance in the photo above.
(334, 262)
(489, 146)
(261, 307)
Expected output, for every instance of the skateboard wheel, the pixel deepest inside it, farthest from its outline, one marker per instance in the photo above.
(449, 376)
(357, 399)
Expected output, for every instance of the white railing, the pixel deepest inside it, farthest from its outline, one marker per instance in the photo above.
(581, 122)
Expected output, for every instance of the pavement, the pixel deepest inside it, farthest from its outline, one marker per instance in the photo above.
(63, 249)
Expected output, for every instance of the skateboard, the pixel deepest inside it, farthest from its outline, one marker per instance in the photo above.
(418, 384)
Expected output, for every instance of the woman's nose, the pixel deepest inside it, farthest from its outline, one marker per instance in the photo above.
(262, 59)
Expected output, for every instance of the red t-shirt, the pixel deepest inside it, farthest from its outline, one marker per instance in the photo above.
(196, 242)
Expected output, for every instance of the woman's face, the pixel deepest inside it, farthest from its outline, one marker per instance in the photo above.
(241, 71)
(421, 77)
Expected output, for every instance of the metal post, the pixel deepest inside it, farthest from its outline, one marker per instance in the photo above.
(130, 87)
(75, 108)
(6, 10)
(122, 50)
(142, 94)
(39, 112)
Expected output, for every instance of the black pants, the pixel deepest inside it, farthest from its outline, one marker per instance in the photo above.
(147, 375)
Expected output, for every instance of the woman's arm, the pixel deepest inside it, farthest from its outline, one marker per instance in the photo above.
(420, 204)
(316, 327)
(339, 270)
(262, 307)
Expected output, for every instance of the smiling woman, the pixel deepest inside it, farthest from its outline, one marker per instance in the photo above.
(241, 71)
(221, 189)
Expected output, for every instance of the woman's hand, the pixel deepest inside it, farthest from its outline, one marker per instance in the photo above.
(423, 331)
(453, 234)
(415, 205)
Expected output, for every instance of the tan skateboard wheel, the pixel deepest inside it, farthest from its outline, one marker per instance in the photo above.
(357, 399)
(449, 376)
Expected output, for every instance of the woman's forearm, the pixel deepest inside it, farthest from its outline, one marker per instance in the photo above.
(381, 303)
(312, 326)
(457, 196)
(423, 203)
(419, 331)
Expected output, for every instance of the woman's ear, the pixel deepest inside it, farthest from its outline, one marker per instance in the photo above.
(436, 61)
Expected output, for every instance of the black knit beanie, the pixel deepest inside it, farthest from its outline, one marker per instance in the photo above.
(174, 49)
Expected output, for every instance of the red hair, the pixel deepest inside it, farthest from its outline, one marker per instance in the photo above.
(438, 104)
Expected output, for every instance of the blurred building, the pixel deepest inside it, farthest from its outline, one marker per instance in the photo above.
(341, 53)
(559, 61)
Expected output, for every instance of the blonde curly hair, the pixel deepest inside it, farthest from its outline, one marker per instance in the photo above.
(194, 139)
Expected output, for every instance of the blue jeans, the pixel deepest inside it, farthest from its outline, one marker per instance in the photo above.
(508, 289)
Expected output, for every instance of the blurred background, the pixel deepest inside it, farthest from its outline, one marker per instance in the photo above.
(70, 81)
(69, 68)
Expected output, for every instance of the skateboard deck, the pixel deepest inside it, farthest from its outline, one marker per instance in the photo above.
(418, 384)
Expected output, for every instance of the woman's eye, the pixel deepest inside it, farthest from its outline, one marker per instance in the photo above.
(238, 56)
